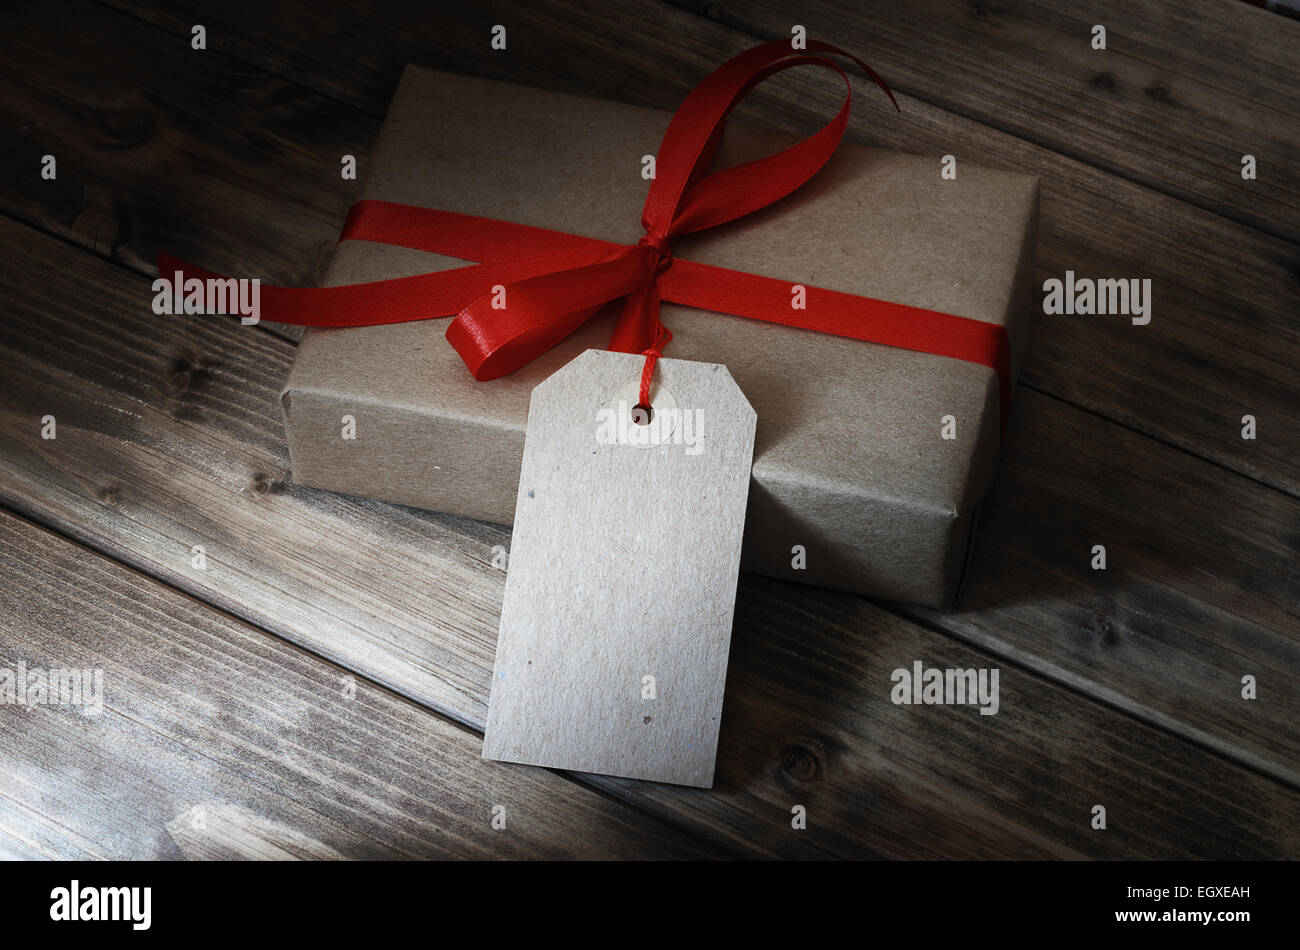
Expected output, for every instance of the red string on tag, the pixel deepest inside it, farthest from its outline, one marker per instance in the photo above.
(662, 336)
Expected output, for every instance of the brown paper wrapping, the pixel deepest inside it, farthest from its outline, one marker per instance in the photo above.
(849, 462)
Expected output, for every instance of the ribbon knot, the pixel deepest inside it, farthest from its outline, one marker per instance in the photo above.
(659, 244)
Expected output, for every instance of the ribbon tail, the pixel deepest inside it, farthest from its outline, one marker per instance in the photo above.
(638, 324)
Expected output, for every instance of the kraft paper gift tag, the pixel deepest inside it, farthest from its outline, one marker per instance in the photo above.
(621, 581)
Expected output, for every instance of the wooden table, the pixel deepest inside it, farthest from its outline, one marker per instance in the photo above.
(318, 687)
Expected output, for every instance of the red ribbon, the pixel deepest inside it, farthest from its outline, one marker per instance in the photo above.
(551, 282)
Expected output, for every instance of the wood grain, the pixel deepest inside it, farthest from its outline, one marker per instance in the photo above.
(217, 740)
(155, 455)
(1221, 343)
(1201, 585)
(1181, 92)
(155, 148)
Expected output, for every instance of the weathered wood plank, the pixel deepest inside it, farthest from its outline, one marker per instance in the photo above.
(14, 848)
(161, 146)
(818, 666)
(1181, 92)
(217, 740)
(1201, 585)
(151, 460)
(1221, 344)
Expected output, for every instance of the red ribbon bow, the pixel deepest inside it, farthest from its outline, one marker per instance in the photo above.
(552, 282)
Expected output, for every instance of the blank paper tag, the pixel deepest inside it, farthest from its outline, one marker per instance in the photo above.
(612, 654)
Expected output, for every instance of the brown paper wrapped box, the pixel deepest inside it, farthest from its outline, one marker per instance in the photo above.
(849, 465)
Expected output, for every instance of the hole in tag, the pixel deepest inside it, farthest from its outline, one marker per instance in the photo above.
(642, 425)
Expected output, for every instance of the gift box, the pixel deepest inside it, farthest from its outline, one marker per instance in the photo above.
(870, 461)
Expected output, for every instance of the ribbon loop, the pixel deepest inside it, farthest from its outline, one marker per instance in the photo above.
(693, 134)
